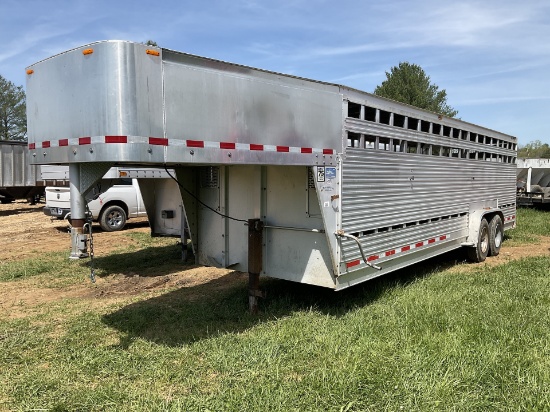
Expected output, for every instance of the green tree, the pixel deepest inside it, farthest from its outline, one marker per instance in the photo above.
(408, 83)
(13, 117)
(534, 150)
(151, 43)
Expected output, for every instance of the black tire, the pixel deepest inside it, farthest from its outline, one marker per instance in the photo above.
(112, 218)
(479, 252)
(496, 235)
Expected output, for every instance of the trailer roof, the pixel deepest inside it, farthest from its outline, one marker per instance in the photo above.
(343, 89)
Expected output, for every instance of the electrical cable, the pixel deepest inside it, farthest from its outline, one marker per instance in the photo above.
(202, 203)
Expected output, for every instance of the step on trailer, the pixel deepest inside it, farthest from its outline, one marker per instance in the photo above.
(282, 176)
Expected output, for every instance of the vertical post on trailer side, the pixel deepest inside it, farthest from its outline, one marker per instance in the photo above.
(255, 257)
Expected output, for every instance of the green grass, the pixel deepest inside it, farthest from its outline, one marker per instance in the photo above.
(420, 339)
(55, 270)
(531, 224)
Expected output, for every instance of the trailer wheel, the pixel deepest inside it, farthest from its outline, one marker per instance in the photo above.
(113, 218)
(496, 235)
(479, 252)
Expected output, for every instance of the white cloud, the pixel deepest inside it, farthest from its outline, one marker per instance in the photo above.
(467, 24)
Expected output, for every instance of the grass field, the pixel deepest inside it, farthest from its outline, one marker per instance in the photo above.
(424, 339)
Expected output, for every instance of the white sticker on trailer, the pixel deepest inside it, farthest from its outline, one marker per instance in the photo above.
(321, 173)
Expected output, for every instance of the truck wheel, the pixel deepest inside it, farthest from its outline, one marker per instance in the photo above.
(496, 235)
(113, 218)
(479, 252)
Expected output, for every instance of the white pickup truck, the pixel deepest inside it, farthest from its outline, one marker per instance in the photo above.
(111, 208)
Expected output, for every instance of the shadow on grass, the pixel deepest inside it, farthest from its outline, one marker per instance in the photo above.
(64, 226)
(220, 306)
(148, 262)
(22, 209)
(130, 224)
(545, 207)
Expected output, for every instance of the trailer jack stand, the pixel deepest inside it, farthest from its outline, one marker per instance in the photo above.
(254, 292)
(79, 240)
(255, 257)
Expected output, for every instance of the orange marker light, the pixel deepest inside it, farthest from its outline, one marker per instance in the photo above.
(85, 52)
(30, 71)
(152, 52)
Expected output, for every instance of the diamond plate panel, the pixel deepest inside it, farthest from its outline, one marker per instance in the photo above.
(91, 173)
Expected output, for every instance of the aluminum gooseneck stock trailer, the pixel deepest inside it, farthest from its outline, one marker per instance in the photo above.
(283, 176)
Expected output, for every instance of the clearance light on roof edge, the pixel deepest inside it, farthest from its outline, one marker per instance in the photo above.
(152, 52)
(85, 52)
(30, 71)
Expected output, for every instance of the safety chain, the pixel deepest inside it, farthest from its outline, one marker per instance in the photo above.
(89, 224)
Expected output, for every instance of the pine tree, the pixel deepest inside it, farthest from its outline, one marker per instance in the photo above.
(13, 117)
(408, 83)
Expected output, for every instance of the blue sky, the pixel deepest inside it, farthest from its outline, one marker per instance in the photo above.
(492, 56)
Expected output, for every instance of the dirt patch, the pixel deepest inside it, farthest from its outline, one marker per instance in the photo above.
(26, 232)
(509, 253)
(17, 301)
(122, 285)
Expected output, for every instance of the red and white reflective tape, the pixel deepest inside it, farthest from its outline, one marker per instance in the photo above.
(161, 141)
(506, 219)
(397, 251)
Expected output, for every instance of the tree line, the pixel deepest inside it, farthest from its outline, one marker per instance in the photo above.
(534, 150)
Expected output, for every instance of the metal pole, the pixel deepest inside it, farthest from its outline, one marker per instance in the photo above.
(255, 257)
(79, 240)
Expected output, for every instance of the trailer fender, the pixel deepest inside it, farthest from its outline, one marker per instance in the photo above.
(475, 222)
